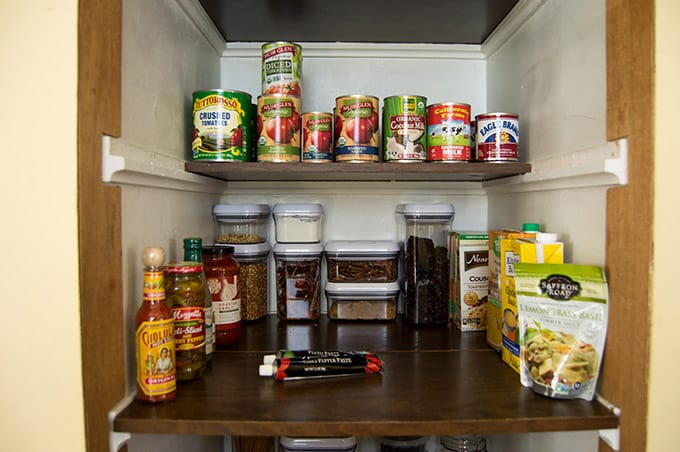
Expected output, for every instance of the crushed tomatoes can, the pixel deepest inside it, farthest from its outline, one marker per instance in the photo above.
(281, 68)
(221, 125)
(357, 129)
(497, 137)
(405, 129)
(448, 132)
(278, 128)
(317, 137)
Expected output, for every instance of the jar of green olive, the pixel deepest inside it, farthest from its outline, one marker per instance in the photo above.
(185, 296)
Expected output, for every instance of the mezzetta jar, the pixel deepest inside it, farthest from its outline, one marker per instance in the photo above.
(185, 296)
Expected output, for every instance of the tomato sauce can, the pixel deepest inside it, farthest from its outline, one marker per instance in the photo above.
(278, 128)
(221, 125)
(448, 132)
(357, 129)
(405, 129)
(497, 137)
(317, 137)
(281, 68)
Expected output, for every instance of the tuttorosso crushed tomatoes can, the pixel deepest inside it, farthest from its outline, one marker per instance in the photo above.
(448, 132)
(221, 125)
(317, 137)
(278, 128)
(281, 68)
(497, 137)
(405, 129)
(356, 129)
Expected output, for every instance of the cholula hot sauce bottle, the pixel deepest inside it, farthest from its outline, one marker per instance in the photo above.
(155, 335)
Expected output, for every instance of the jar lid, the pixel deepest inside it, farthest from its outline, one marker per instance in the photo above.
(298, 209)
(219, 248)
(531, 227)
(362, 248)
(230, 212)
(403, 441)
(426, 211)
(251, 249)
(298, 249)
(370, 289)
(317, 444)
(181, 268)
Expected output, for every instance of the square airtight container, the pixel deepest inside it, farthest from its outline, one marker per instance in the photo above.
(362, 301)
(342, 444)
(241, 223)
(298, 223)
(362, 260)
(298, 280)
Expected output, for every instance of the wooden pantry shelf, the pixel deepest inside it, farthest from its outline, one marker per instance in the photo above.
(337, 171)
(435, 381)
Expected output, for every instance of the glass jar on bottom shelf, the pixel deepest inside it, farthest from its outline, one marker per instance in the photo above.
(462, 443)
(222, 273)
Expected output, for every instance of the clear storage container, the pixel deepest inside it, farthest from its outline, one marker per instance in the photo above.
(362, 301)
(424, 231)
(298, 280)
(343, 444)
(241, 223)
(254, 283)
(298, 223)
(403, 443)
(362, 260)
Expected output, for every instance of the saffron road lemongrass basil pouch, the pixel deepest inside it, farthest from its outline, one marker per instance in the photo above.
(563, 325)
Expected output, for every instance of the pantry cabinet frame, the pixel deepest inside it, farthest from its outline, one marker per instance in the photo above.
(630, 108)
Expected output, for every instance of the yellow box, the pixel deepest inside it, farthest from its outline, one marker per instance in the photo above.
(541, 250)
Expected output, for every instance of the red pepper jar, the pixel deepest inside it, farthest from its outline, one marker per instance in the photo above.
(222, 274)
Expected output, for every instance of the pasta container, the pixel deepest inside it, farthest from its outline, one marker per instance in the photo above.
(241, 223)
(343, 444)
(362, 261)
(362, 301)
(298, 223)
(298, 280)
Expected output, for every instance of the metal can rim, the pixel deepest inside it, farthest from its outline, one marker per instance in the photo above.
(294, 44)
(448, 103)
(355, 96)
(397, 96)
(496, 115)
(222, 91)
(277, 95)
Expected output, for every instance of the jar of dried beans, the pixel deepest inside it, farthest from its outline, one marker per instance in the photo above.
(254, 270)
(298, 280)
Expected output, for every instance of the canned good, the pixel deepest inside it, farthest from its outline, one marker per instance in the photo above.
(278, 124)
(281, 68)
(404, 125)
(448, 130)
(356, 129)
(221, 129)
(473, 139)
(317, 137)
(497, 137)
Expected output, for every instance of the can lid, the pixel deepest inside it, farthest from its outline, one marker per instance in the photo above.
(298, 249)
(240, 211)
(181, 268)
(362, 248)
(370, 289)
(342, 444)
(297, 209)
(219, 248)
(426, 211)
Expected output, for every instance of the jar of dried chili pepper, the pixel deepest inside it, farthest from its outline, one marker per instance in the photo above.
(298, 280)
(222, 274)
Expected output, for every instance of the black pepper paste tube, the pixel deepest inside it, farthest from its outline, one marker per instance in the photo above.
(321, 367)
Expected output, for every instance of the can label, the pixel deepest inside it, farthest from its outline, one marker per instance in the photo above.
(155, 348)
(404, 126)
(497, 137)
(281, 68)
(356, 129)
(220, 125)
(278, 128)
(317, 137)
(448, 132)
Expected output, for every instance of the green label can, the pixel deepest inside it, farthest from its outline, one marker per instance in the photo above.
(281, 68)
(278, 125)
(404, 129)
(221, 125)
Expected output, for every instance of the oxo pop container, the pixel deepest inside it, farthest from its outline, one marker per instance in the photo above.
(253, 260)
(298, 223)
(362, 260)
(241, 223)
(343, 444)
(424, 231)
(298, 280)
(362, 301)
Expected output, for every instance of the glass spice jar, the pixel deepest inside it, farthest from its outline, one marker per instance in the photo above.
(185, 296)
(223, 275)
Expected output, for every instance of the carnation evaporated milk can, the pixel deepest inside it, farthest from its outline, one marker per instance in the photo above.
(317, 137)
(278, 125)
(448, 132)
(497, 137)
(221, 125)
(404, 129)
(356, 129)
(281, 68)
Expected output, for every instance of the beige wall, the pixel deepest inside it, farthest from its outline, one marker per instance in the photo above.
(664, 396)
(41, 403)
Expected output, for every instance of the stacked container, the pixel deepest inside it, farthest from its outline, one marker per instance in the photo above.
(341, 444)
(297, 254)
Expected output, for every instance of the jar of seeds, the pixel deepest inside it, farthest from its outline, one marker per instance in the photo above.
(254, 262)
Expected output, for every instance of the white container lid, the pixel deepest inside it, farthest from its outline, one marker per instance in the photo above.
(250, 249)
(372, 248)
(364, 289)
(426, 211)
(298, 249)
(318, 444)
(231, 212)
(297, 210)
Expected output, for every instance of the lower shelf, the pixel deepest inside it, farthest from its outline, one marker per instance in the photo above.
(439, 386)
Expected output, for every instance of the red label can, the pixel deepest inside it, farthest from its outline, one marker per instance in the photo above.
(497, 137)
(356, 129)
(317, 137)
(448, 132)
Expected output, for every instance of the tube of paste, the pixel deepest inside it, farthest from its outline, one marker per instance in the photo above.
(308, 354)
(319, 367)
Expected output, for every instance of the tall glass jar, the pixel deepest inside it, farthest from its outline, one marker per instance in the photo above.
(462, 443)
(253, 260)
(222, 273)
(185, 296)
(298, 280)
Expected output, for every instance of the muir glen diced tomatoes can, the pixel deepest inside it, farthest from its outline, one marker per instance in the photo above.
(278, 128)
(497, 137)
(317, 137)
(356, 129)
(281, 68)
(448, 132)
